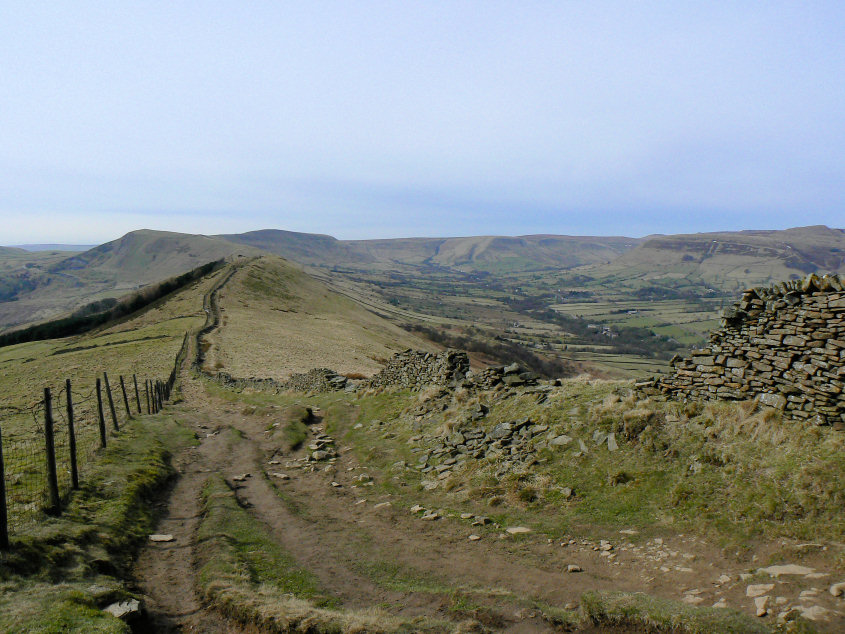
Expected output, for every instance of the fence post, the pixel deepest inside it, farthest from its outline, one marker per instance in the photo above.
(147, 391)
(52, 480)
(100, 412)
(4, 518)
(111, 403)
(137, 396)
(125, 400)
(74, 473)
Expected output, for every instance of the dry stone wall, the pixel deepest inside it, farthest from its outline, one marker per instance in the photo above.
(783, 345)
(413, 369)
(409, 369)
(317, 380)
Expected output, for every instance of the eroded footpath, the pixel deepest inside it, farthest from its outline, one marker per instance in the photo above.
(369, 548)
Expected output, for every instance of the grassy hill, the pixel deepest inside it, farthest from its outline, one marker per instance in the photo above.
(730, 261)
(672, 286)
(474, 253)
(305, 248)
(44, 284)
(302, 325)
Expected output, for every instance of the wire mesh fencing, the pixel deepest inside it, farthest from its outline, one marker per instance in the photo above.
(49, 446)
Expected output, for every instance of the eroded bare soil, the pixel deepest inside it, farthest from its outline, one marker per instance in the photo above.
(367, 551)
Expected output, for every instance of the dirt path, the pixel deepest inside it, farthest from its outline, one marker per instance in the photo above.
(164, 571)
(367, 550)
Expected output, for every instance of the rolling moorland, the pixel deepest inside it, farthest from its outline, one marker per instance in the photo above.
(616, 307)
(575, 504)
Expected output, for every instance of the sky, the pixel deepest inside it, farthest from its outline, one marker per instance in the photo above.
(387, 119)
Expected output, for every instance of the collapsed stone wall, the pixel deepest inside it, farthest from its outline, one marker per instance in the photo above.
(409, 369)
(414, 369)
(783, 345)
(317, 380)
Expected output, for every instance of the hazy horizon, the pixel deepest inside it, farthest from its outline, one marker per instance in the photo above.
(35, 246)
(380, 119)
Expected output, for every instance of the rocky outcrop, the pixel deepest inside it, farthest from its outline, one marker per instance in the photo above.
(784, 346)
(513, 447)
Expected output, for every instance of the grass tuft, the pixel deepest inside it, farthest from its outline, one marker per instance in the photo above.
(663, 615)
(248, 577)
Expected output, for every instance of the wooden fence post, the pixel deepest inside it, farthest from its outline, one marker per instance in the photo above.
(147, 391)
(52, 480)
(125, 400)
(74, 473)
(4, 518)
(137, 396)
(100, 412)
(111, 402)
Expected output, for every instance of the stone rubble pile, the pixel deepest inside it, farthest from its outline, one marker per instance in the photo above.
(512, 445)
(414, 369)
(510, 375)
(316, 380)
(784, 346)
(227, 380)
(409, 369)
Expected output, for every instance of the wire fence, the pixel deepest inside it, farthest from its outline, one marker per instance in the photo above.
(57, 439)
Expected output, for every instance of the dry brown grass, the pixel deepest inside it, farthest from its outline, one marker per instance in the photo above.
(280, 321)
(145, 345)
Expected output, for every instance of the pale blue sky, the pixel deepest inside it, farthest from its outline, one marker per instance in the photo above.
(382, 119)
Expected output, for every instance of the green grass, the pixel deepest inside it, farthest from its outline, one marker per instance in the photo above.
(725, 469)
(294, 427)
(247, 576)
(245, 552)
(54, 608)
(57, 575)
(662, 615)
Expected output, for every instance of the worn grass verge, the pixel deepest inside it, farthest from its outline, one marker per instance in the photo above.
(248, 577)
(662, 615)
(57, 575)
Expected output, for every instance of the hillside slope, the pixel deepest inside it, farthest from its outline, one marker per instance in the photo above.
(278, 320)
(729, 261)
(52, 283)
(474, 253)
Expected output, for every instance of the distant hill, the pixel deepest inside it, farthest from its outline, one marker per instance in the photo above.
(54, 247)
(730, 261)
(145, 256)
(306, 248)
(476, 253)
(41, 285)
